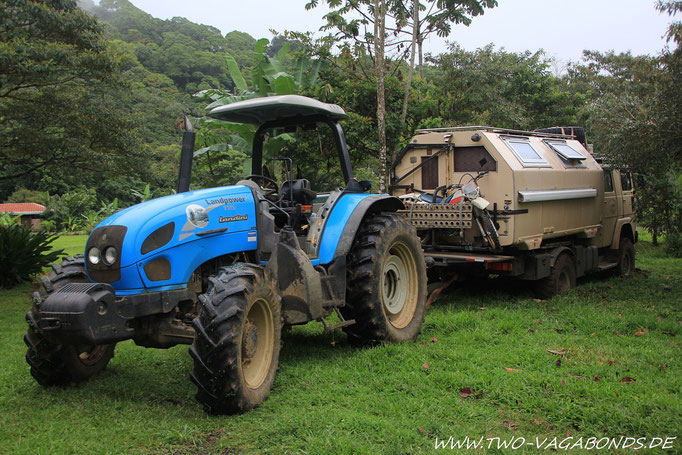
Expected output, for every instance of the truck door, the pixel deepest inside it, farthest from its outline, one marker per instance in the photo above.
(627, 195)
(610, 208)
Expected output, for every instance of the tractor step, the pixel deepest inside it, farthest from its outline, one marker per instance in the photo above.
(606, 265)
(337, 325)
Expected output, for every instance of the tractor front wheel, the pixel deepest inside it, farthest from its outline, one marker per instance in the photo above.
(237, 343)
(61, 364)
(386, 281)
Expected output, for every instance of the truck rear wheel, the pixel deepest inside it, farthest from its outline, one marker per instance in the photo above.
(626, 258)
(386, 281)
(237, 344)
(560, 279)
(61, 364)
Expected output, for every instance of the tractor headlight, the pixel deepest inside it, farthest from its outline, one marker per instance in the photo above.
(110, 255)
(94, 255)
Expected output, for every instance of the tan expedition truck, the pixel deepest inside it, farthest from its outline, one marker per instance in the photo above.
(535, 205)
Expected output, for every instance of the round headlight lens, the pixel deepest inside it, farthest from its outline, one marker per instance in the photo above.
(110, 255)
(94, 255)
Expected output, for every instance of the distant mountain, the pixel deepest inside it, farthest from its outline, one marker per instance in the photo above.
(190, 54)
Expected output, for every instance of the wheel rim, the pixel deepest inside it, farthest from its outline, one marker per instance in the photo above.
(258, 334)
(564, 282)
(399, 285)
(90, 355)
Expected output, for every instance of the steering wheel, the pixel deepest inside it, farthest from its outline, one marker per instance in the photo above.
(266, 183)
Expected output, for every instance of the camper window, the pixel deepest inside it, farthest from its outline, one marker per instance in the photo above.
(569, 156)
(525, 152)
(564, 150)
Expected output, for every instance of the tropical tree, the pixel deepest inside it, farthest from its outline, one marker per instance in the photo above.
(59, 93)
(226, 146)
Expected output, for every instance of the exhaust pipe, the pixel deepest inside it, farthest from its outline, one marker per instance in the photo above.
(186, 157)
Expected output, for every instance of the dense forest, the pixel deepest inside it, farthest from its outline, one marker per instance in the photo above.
(92, 98)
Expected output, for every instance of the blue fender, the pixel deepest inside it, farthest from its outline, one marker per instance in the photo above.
(345, 219)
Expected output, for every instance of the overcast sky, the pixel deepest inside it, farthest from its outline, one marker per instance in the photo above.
(563, 28)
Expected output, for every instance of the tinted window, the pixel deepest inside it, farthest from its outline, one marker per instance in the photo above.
(468, 159)
(625, 181)
(608, 182)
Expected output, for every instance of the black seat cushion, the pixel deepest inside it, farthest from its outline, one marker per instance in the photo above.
(297, 191)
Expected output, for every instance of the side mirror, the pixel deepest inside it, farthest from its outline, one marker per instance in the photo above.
(366, 185)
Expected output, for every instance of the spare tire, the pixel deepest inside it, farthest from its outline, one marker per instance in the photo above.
(577, 131)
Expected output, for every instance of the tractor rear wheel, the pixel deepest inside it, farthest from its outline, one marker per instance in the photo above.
(561, 278)
(237, 343)
(386, 281)
(61, 364)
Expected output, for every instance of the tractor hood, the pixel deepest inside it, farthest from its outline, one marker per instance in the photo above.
(152, 227)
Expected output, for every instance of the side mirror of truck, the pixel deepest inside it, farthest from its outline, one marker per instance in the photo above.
(366, 185)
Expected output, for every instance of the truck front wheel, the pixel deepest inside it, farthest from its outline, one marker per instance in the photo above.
(61, 364)
(560, 279)
(626, 258)
(386, 281)
(237, 343)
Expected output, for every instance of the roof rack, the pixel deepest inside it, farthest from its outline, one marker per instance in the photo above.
(495, 130)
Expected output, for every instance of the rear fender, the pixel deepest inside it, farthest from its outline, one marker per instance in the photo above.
(345, 219)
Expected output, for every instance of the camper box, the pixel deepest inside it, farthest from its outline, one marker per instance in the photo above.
(540, 185)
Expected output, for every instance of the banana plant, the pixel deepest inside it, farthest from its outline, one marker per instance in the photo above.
(268, 77)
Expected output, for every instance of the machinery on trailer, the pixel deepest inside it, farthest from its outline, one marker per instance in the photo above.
(535, 205)
(223, 269)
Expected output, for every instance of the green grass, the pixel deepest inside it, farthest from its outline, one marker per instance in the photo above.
(331, 398)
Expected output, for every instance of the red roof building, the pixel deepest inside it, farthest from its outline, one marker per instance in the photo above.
(29, 212)
(22, 208)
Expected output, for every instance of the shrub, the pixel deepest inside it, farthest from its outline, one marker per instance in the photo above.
(673, 245)
(67, 210)
(7, 220)
(23, 253)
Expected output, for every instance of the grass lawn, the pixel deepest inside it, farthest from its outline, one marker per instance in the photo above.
(332, 398)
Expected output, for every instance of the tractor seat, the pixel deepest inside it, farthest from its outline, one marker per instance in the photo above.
(297, 191)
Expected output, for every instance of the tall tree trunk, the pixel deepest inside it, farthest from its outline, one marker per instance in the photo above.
(379, 48)
(413, 51)
(420, 41)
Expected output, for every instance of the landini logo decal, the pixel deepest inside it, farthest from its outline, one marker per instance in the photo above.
(229, 219)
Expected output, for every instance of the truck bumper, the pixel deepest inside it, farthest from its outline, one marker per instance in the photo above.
(91, 313)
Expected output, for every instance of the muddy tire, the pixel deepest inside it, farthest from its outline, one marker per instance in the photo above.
(626, 258)
(386, 292)
(237, 343)
(61, 364)
(561, 278)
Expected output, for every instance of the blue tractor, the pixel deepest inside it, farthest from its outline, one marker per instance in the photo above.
(225, 269)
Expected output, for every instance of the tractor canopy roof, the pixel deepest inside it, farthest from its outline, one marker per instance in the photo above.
(275, 108)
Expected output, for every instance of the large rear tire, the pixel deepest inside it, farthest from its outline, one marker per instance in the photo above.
(561, 278)
(386, 281)
(61, 364)
(237, 343)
